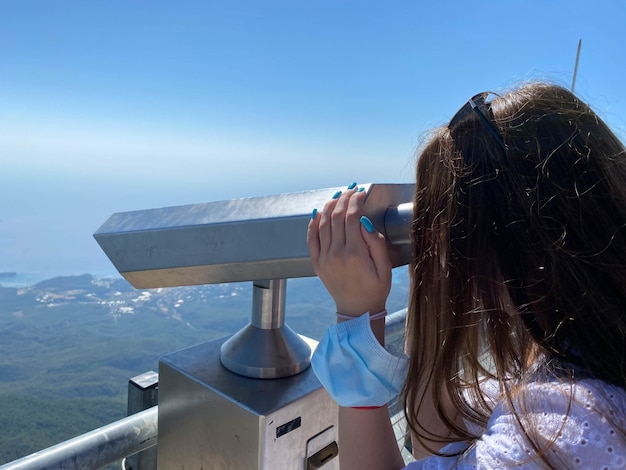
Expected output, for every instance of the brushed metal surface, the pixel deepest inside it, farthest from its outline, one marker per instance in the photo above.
(244, 239)
(212, 418)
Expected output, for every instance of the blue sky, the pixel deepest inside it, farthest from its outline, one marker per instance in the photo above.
(122, 105)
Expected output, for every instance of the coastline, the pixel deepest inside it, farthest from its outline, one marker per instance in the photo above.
(19, 279)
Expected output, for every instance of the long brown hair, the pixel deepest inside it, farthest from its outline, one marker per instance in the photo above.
(519, 255)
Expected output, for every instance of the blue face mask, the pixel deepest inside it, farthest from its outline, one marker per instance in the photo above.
(354, 368)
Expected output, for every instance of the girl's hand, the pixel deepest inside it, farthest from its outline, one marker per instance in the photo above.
(352, 263)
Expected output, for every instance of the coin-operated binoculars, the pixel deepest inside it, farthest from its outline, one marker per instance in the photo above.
(249, 400)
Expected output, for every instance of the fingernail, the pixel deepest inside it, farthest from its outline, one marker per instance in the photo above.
(314, 214)
(336, 195)
(352, 185)
(367, 223)
(360, 190)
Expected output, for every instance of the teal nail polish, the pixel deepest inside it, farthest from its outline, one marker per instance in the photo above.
(352, 185)
(367, 223)
(336, 195)
(314, 214)
(360, 190)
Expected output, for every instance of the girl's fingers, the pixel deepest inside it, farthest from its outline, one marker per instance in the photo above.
(350, 260)
(338, 222)
(312, 237)
(354, 211)
(377, 247)
(327, 231)
(325, 224)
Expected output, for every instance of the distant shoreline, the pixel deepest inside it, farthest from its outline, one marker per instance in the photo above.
(20, 280)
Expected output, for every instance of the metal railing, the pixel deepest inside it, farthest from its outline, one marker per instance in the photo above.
(96, 448)
(138, 432)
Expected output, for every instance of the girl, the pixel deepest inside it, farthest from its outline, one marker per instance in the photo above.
(516, 331)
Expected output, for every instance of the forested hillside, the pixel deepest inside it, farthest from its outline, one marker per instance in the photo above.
(69, 345)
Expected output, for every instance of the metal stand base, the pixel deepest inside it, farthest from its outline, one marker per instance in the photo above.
(265, 354)
(266, 348)
(212, 418)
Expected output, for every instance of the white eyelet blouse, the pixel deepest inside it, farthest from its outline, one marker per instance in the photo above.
(587, 437)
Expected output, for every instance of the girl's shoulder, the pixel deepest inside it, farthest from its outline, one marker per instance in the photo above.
(573, 398)
(579, 424)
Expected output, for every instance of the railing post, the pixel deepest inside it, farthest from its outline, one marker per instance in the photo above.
(143, 393)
